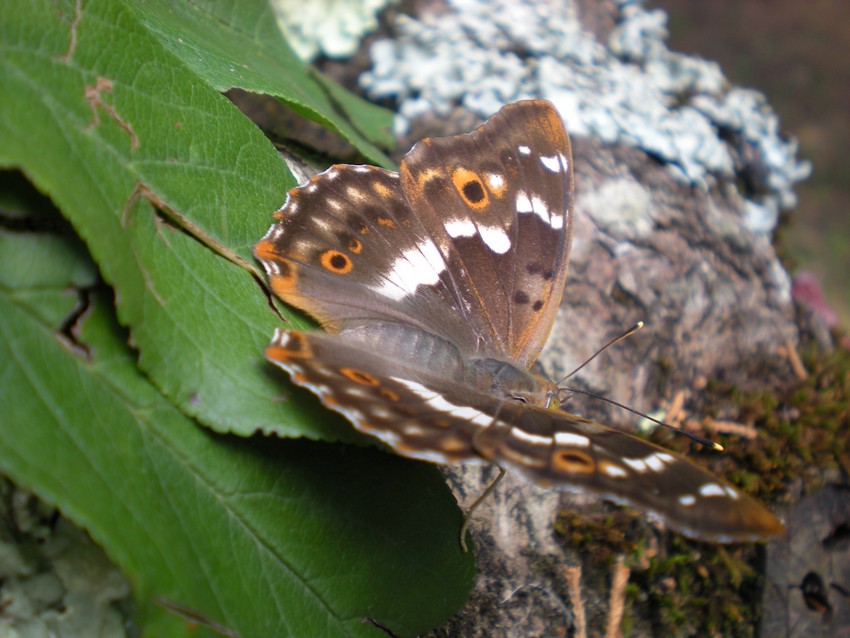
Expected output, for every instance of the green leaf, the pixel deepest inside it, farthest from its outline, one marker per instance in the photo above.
(109, 136)
(237, 44)
(268, 537)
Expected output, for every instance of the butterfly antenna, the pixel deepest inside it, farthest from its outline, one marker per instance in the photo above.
(693, 437)
(627, 333)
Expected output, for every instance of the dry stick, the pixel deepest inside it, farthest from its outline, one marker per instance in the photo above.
(795, 361)
(725, 427)
(674, 411)
(573, 578)
(617, 601)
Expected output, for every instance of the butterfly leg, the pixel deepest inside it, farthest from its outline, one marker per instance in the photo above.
(465, 527)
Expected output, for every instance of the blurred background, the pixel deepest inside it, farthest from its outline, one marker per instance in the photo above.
(797, 54)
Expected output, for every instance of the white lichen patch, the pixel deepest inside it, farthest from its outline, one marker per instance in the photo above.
(330, 27)
(623, 207)
(629, 90)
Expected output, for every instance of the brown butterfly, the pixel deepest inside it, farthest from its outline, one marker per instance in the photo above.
(438, 287)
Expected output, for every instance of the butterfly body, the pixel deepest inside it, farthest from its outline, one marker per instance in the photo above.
(438, 287)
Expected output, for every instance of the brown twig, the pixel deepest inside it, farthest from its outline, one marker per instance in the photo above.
(573, 578)
(617, 600)
(723, 427)
(794, 359)
(674, 410)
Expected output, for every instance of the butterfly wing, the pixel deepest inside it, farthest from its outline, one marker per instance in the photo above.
(429, 416)
(372, 385)
(501, 200)
(565, 451)
(471, 243)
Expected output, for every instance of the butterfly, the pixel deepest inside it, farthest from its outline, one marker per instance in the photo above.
(437, 287)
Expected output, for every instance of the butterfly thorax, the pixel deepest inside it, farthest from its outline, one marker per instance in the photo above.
(505, 381)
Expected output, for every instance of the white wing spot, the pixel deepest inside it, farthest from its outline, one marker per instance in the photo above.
(656, 461)
(526, 204)
(524, 150)
(712, 489)
(638, 465)
(418, 266)
(460, 228)
(412, 428)
(270, 267)
(687, 500)
(733, 493)
(381, 412)
(534, 439)
(523, 203)
(496, 239)
(439, 403)
(552, 162)
(614, 471)
(569, 438)
(274, 233)
(496, 181)
(321, 221)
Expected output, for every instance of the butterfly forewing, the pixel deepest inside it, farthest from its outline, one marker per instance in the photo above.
(421, 412)
(499, 203)
(569, 452)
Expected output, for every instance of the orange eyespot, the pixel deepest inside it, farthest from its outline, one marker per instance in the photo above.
(470, 187)
(389, 395)
(573, 462)
(337, 262)
(359, 377)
